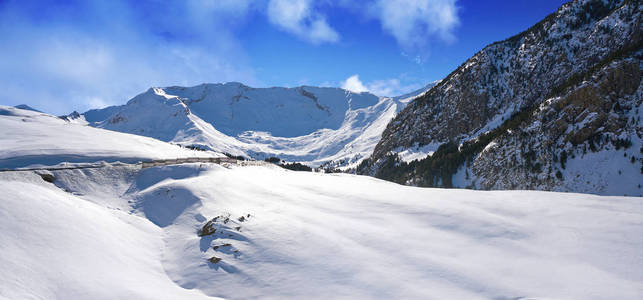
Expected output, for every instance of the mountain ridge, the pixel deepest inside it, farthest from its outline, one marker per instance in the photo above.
(313, 125)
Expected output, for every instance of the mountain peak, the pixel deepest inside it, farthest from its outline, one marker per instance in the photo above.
(26, 107)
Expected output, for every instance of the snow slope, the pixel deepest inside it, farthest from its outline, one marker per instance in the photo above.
(122, 232)
(307, 124)
(57, 246)
(308, 236)
(30, 138)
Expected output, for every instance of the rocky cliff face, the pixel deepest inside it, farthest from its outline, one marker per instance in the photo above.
(587, 140)
(496, 101)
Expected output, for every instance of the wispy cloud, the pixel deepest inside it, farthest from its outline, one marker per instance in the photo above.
(384, 87)
(414, 22)
(59, 55)
(82, 54)
(299, 18)
(392, 87)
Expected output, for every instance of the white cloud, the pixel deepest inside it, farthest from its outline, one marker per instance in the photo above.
(299, 18)
(67, 56)
(385, 87)
(353, 84)
(413, 22)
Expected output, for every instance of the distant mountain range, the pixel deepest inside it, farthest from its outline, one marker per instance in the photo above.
(313, 125)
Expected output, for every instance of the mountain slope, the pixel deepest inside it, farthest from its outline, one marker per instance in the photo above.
(306, 124)
(505, 80)
(30, 138)
(595, 125)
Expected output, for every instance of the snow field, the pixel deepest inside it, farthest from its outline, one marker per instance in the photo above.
(312, 235)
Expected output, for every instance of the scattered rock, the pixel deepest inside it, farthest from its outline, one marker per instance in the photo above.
(47, 177)
(221, 246)
(208, 228)
(216, 225)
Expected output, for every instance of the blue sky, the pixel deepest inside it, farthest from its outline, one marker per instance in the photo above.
(60, 56)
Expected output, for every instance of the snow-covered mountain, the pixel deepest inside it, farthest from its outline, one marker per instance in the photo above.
(29, 139)
(199, 231)
(570, 87)
(306, 124)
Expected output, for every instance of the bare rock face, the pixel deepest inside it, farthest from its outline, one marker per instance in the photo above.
(568, 78)
(47, 176)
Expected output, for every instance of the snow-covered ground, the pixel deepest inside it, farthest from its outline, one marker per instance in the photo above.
(117, 232)
(54, 245)
(30, 138)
